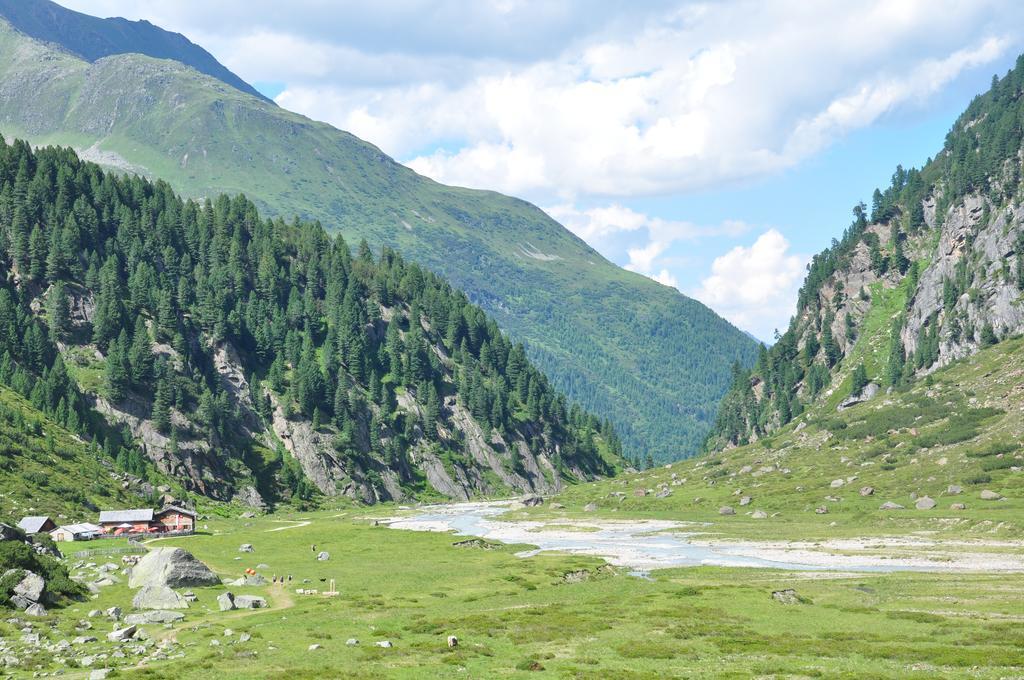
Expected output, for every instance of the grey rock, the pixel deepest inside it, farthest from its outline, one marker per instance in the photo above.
(250, 602)
(726, 510)
(122, 634)
(760, 514)
(533, 501)
(99, 674)
(384, 643)
(113, 613)
(590, 507)
(957, 506)
(83, 640)
(313, 647)
(988, 495)
(155, 616)
(249, 580)
(925, 503)
(351, 642)
(30, 587)
(744, 501)
(889, 505)
(787, 596)
(158, 597)
(453, 641)
(244, 637)
(836, 483)
(323, 556)
(35, 609)
(173, 567)
(821, 510)
(867, 491)
(246, 548)
(226, 601)
(954, 490)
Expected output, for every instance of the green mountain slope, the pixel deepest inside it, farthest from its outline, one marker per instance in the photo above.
(258, 361)
(92, 38)
(932, 273)
(625, 347)
(830, 474)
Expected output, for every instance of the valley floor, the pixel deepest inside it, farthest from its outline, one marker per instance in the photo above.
(549, 615)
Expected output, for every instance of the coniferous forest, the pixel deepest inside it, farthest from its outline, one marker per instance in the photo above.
(121, 297)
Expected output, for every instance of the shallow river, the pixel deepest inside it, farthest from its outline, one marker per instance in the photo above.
(640, 545)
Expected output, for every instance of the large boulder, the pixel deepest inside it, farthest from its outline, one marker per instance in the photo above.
(30, 587)
(250, 602)
(158, 597)
(156, 616)
(989, 495)
(226, 602)
(171, 567)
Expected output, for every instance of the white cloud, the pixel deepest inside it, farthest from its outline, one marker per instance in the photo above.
(755, 287)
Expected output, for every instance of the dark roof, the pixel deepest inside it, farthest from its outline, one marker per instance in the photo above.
(34, 524)
(178, 509)
(140, 515)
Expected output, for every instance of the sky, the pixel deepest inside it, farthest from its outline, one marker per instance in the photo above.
(712, 146)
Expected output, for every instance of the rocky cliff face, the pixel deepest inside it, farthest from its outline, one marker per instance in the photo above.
(933, 274)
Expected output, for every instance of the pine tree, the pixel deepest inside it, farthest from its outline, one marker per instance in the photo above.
(140, 354)
(57, 311)
(117, 373)
(859, 380)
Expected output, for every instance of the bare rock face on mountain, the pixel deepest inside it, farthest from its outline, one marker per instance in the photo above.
(172, 567)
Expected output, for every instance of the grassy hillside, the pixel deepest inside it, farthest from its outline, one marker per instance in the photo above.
(654, 361)
(47, 470)
(961, 427)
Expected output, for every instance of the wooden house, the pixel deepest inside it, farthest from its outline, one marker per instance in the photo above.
(36, 524)
(76, 532)
(175, 518)
(118, 522)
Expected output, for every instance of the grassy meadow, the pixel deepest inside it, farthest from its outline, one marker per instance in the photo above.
(520, 618)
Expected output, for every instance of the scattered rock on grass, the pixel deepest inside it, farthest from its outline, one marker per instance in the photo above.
(246, 548)
(533, 501)
(590, 507)
(957, 506)
(323, 556)
(787, 596)
(988, 495)
(867, 491)
(760, 514)
(250, 602)
(122, 634)
(173, 567)
(384, 643)
(925, 503)
(726, 510)
(889, 505)
(821, 510)
(954, 490)
(352, 642)
(453, 641)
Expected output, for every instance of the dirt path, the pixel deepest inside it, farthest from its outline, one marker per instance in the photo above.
(298, 523)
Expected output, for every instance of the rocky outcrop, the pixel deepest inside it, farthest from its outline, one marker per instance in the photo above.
(156, 596)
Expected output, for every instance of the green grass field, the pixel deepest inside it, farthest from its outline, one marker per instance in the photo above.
(519, 618)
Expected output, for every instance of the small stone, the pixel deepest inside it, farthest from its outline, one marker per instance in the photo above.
(988, 495)
(246, 548)
(215, 642)
(93, 613)
(226, 601)
(745, 500)
(313, 647)
(726, 510)
(889, 505)
(122, 634)
(384, 643)
(83, 640)
(99, 674)
(323, 556)
(244, 637)
(925, 503)
(453, 641)
(36, 609)
(867, 491)
(821, 510)
(787, 596)
(760, 514)
(957, 506)
(954, 490)
(351, 642)
(590, 507)
(836, 483)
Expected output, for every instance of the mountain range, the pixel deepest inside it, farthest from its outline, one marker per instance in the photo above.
(653, 361)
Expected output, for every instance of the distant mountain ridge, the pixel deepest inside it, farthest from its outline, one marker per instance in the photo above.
(641, 354)
(92, 38)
